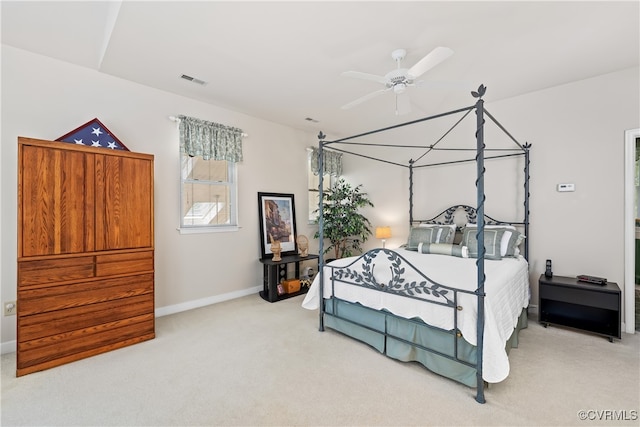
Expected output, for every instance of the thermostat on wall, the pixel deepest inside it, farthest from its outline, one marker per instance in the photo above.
(566, 187)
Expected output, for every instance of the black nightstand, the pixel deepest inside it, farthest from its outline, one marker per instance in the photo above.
(566, 301)
(276, 271)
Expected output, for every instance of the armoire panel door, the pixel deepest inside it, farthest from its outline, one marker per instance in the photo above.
(124, 202)
(56, 201)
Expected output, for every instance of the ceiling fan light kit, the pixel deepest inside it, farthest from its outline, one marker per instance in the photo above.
(399, 79)
(399, 88)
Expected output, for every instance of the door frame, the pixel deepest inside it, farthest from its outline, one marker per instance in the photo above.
(629, 228)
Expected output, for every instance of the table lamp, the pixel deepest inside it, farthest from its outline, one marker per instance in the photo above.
(383, 233)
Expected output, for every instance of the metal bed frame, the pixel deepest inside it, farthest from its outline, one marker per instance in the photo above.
(436, 291)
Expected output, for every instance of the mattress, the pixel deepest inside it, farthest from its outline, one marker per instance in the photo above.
(506, 289)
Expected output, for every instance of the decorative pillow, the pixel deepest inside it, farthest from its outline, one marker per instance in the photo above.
(513, 246)
(446, 233)
(419, 235)
(444, 249)
(511, 238)
(492, 240)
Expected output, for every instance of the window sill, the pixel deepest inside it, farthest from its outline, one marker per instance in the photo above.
(204, 230)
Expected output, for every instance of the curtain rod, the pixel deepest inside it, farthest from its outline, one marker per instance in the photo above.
(177, 120)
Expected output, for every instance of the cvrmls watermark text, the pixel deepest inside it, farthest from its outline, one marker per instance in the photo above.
(608, 415)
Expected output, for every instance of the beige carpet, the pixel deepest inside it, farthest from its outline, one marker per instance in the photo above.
(249, 362)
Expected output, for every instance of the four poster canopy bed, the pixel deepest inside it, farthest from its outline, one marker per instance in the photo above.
(455, 296)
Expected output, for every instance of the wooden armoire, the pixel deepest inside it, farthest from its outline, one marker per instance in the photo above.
(85, 252)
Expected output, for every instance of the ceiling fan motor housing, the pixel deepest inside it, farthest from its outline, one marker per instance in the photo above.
(398, 77)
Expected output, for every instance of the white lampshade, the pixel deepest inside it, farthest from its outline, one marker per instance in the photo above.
(383, 232)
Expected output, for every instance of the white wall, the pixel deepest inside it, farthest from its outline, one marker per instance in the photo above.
(44, 98)
(577, 136)
(577, 132)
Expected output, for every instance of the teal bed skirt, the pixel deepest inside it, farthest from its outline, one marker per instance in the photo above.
(410, 340)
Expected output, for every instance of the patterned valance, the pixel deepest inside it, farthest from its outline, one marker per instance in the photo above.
(331, 163)
(210, 140)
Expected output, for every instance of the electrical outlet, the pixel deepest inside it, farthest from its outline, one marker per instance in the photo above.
(10, 308)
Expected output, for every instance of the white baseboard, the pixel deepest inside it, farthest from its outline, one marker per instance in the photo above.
(190, 305)
(10, 346)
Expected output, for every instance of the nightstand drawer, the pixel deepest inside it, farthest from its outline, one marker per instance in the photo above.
(593, 298)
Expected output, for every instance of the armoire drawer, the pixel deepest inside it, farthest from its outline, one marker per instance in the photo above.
(64, 297)
(130, 262)
(55, 270)
(52, 351)
(58, 322)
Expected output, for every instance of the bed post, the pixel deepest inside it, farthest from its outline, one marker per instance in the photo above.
(321, 137)
(480, 237)
(527, 146)
(410, 193)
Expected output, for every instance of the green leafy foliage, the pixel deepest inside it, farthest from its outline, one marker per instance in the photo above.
(344, 226)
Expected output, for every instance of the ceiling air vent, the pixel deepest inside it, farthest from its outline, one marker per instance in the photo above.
(193, 80)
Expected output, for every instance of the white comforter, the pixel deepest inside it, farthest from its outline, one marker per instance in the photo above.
(506, 289)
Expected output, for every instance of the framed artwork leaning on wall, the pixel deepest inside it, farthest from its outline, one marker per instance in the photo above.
(277, 213)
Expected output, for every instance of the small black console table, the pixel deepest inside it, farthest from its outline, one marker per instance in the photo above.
(566, 301)
(276, 271)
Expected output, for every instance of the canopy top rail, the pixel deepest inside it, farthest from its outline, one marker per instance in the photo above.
(412, 122)
(467, 160)
(430, 147)
(520, 149)
(370, 157)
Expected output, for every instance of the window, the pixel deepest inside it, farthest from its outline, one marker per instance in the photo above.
(208, 194)
(208, 188)
(314, 185)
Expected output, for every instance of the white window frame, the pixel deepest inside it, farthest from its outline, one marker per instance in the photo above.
(232, 184)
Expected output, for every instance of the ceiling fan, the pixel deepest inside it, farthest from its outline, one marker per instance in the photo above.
(399, 79)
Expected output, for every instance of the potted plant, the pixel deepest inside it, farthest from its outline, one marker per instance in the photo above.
(344, 226)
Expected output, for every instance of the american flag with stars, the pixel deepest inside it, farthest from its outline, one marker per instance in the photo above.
(93, 134)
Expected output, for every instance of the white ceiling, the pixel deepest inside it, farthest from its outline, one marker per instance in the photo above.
(281, 61)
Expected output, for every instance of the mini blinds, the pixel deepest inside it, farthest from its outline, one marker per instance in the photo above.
(331, 162)
(210, 140)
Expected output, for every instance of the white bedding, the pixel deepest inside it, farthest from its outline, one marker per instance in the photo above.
(506, 289)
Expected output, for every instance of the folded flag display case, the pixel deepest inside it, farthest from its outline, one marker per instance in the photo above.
(93, 134)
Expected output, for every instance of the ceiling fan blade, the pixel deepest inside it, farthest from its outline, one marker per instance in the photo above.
(432, 59)
(403, 104)
(365, 76)
(364, 98)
